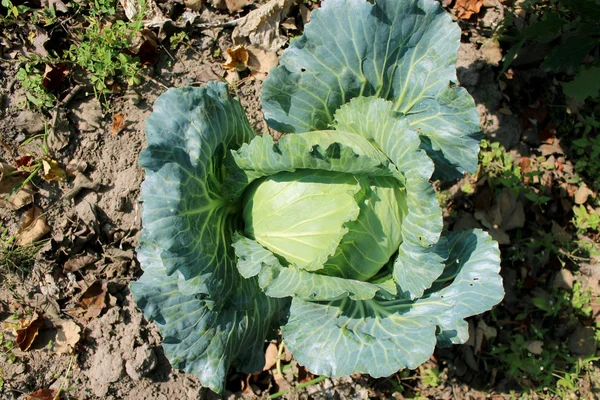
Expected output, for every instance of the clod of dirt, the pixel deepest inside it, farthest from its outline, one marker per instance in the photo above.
(106, 367)
(59, 133)
(29, 122)
(81, 182)
(88, 116)
(142, 362)
(582, 342)
(491, 52)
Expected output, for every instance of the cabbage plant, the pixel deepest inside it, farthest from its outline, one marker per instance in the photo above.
(332, 234)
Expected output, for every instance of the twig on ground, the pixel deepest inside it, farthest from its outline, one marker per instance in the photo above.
(228, 24)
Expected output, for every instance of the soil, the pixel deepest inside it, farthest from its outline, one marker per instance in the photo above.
(118, 354)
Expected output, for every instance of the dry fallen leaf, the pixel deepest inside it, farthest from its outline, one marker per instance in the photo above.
(153, 16)
(67, 336)
(24, 161)
(52, 171)
(271, 356)
(118, 123)
(261, 26)
(80, 261)
(236, 59)
(38, 39)
(466, 8)
(29, 331)
(33, 227)
(91, 302)
(260, 61)
(582, 194)
(54, 75)
(44, 394)
(10, 179)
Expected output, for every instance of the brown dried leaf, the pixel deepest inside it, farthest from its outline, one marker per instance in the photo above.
(91, 302)
(261, 26)
(582, 194)
(80, 261)
(466, 8)
(236, 59)
(29, 331)
(33, 227)
(24, 161)
(54, 75)
(10, 179)
(52, 171)
(118, 123)
(67, 336)
(38, 38)
(44, 394)
(260, 61)
(271, 356)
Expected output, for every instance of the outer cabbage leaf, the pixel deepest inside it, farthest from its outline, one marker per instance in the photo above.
(279, 281)
(198, 338)
(322, 150)
(210, 315)
(402, 51)
(421, 256)
(380, 337)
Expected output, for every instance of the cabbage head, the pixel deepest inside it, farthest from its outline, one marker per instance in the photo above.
(333, 233)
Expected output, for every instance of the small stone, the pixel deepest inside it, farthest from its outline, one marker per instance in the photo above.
(535, 347)
(29, 122)
(564, 279)
(142, 363)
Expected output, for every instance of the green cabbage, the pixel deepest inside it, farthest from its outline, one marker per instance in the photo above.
(332, 234)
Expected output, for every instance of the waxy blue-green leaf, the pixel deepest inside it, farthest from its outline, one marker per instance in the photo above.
(421, 259)
(402, 51)
(281, 281)
(210, 316)
(197, 338)
(185, 212)
(380, 337)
